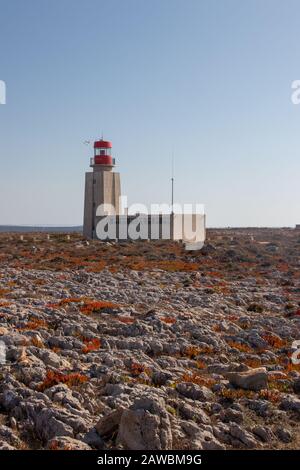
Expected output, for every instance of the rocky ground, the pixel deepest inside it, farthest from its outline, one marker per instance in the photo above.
(146, 346)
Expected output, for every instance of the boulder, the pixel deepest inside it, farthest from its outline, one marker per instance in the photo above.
(253, 379)
(290, 403)
(93, 439)
(242, 435)
(201, 438)
(264, 433)
(284, 435)
(194, 391)
(191, 412)
(108, 424)
(145, 426)
(231, 416)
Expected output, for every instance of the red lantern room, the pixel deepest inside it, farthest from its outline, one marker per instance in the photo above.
(102, 159)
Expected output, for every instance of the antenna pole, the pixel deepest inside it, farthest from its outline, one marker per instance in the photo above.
(172, 180)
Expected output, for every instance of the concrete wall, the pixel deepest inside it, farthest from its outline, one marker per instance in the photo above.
(189, 228)
(88, 206)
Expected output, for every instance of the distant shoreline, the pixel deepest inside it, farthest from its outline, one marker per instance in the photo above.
(29, 228)
(79, 228)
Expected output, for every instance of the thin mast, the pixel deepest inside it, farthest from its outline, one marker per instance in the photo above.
(172, 180)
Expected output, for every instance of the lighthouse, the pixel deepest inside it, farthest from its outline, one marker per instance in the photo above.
(102, 186)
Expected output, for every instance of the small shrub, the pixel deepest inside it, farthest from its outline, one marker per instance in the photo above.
(35, 324)
(193, 351)
(168, 320)
(253, 363)
(54, 378)
(198, 379)
(270, 395)
(53, 445)
(93, 306)
(200, 365)
(91, 345)
(37, 343)
(217, 328)
(171, 410)
(136, 369)
(292, 367)
(4, 292)
(233, 318)
(40, 282)
(230, 394)
(279, 385)
(241, 347)
(273, 341)
(88, 306)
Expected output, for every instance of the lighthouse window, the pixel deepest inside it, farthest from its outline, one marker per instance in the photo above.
(102, 151)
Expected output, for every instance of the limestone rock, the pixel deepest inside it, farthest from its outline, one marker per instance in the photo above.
(145, 426)
(108, 424)
(194, 391)
(253, 379)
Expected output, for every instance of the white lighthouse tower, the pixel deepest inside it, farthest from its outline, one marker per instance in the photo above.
(102, 186)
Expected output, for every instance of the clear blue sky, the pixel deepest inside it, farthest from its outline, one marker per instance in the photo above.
(209, 78)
